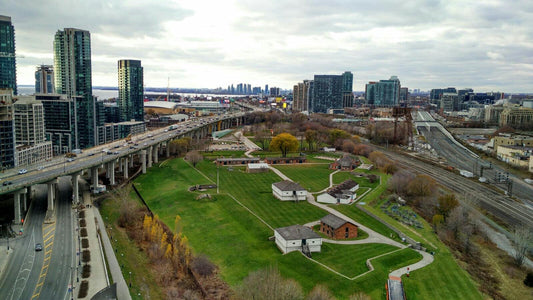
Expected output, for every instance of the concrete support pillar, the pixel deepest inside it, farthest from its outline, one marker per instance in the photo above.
(156, 154)
(51, 193)
(94, 175)
(143, 161)
(120, 162)
(28, 197)
(150, 156)
(168, 149)
(131, 161)
(111, 169)
(125, 170)
(17, 197)
(75, 188)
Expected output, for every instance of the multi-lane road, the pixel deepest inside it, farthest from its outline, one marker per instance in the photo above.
(44, 274)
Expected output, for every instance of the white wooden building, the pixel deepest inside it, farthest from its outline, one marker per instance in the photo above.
(287, 190)
(344, 193)
(297, 238)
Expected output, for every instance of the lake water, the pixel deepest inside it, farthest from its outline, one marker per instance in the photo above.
(107, 94)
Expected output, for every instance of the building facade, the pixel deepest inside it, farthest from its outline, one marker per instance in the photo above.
(7, 130)
(337, 228)
(327, 93)
(297, 238)
(60, 121)
(72, 71)
(384, 92)
(515, 155)
(29, 121)
(289, 191)
(8, 70)
(517, 117)
(130, 90)
(44, 80)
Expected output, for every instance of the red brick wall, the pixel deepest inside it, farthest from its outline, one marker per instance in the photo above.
(340, 233)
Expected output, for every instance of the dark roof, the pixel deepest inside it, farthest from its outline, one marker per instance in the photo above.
(239, 159)
(287, 185)
(297, 232)
(334, 221)
(346, 161)
(346, 185)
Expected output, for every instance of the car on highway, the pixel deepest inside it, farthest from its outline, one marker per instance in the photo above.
(7, 183)
(40, 168)
(70, 159)
(38, 247)
(91, 154)
(23, 171)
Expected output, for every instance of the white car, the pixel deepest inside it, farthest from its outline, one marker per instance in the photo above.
(23, 171)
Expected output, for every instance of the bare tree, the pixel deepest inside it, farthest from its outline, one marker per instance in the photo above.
(522, 237)
(320, 292)
(194, 157)
(268, 284)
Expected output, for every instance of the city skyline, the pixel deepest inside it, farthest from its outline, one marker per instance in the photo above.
(483, 46)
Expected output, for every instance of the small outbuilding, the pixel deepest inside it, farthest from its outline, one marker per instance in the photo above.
(287, 190)
(344, 193)
(237, 161)
(257, 168)
(297, 238)
(337, 228)
(346, 163)
(285, 160)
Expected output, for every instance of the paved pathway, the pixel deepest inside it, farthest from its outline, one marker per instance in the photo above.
(122, 289)
(373, 237)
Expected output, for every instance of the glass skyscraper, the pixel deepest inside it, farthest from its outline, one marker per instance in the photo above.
(72, 71)
(384, 92)
(44, 80)
(8, 70)
(130, 90)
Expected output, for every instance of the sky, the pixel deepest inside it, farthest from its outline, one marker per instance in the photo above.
(485, 45)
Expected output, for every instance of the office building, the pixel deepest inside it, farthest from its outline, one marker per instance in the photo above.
(274, 91)
(327, 93)
(266, 89)
(449, 102)
(384, 92)
(7, 130)
(404, 95)
(517, 117)
(130, 90)
(60, 121)
(435, 94)
(44, 80)
(347, 89)
(302, 93)
(72, 71)
(8, 70)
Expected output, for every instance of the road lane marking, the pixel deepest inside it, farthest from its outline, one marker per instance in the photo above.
(48, 243)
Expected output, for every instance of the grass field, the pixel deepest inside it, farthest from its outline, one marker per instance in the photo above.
(350, 260)
(313, 177)
(237, 241)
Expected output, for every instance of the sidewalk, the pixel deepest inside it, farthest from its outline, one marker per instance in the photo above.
(98, 278)
(4, 257)
(114, 267)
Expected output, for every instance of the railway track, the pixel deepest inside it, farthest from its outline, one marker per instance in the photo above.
(504, 208)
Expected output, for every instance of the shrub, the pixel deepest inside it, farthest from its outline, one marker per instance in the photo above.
(203, 266)
(86, 257)
(529, 279)
(83, 232)
(85, 243)
(86, 271)
(83, 223)
(84, 287)
(81, 214)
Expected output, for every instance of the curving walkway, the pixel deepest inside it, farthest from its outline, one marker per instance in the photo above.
(373, 237)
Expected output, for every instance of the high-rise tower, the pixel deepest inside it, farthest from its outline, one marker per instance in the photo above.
(72, 71)
(130, 90)
(8, 71)
(44, 80)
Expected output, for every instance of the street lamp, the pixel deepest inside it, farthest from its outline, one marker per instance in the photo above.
(130, 278)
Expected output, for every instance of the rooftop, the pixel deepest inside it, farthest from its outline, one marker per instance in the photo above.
(297, 232)
(333, 221)
(287, 185)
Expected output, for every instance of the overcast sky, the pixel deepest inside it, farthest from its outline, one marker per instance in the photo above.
(486, 45)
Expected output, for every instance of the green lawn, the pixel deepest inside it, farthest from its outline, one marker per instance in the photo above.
(255, 192)
(225, 153)
(238, 243)
(312, 177)
(350, 260)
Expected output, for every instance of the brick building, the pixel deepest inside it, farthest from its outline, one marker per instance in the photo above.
(337, 228)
